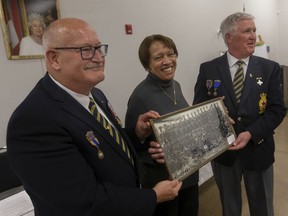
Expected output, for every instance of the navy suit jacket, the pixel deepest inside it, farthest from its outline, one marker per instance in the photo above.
(60, 169)
(262, 81)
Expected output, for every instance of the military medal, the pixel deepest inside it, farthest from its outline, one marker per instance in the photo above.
(209, 84)
(95, 143)
(262, 103)
(100, 154)
(114, 114)
(118, 120)
(216, 85)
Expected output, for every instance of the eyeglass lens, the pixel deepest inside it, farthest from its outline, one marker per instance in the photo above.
(89, 51)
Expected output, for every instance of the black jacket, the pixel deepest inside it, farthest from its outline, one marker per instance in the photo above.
(260, 111)
(60, 169)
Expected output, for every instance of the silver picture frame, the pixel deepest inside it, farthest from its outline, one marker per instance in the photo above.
(192, 137)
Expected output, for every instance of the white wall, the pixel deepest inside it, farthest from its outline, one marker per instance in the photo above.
(283, 32)
(191, 24)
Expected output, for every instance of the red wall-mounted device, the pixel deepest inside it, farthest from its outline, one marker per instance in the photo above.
(128, 29)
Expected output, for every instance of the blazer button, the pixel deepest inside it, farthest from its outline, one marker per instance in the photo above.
(239, 119)
(262, 140)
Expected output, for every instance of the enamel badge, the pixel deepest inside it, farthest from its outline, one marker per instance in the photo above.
(259, 81)
(262, 103)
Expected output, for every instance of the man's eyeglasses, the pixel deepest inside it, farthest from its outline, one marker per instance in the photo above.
(88, 52)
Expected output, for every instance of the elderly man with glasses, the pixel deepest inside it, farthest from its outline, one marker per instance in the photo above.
(65, 143)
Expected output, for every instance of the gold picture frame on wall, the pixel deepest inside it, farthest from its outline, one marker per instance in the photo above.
(23, 23)
(192, 137)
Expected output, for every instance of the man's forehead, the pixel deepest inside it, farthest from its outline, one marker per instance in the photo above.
(76, 32)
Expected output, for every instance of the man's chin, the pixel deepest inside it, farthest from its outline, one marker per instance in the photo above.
(252, 51)
(97, 80)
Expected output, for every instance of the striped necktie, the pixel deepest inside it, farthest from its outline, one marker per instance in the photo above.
(238, 81)
(112, 130)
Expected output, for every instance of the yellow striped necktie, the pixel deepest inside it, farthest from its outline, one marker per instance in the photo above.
(238, 81)
(112, 130)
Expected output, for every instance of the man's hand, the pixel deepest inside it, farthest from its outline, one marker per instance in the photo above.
(241, 141)
(143, 127)
(156, 152)
(167, 190)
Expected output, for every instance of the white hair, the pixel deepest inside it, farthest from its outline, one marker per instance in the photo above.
(229, 24)
(35, 16)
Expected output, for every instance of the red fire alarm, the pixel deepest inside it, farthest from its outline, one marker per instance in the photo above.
(128, 29)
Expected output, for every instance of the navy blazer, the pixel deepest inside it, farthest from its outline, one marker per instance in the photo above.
(60, 169)
(260, 110)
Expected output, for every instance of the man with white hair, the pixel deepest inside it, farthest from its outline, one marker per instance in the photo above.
(252, 94)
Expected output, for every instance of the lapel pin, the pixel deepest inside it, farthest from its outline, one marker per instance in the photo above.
(262, 103)
(259, 81)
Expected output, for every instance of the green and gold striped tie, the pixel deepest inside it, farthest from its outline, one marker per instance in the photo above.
(112, 130)
(238, 81)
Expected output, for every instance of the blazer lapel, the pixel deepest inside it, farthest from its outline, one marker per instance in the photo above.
(252, 72)
(69, 104)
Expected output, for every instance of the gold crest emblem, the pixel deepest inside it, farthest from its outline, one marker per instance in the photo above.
(262, 103)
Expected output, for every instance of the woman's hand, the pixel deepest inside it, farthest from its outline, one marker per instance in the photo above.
(143, 126)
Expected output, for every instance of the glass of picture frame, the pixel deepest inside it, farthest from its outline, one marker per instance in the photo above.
(192, 137)
(23, 23)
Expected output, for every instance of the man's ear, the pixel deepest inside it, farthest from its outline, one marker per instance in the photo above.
(52, 59)
(228, 37)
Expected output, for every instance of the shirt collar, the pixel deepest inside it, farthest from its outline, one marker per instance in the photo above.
(232, 60)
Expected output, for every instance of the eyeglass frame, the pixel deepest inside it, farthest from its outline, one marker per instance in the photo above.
(81, 50)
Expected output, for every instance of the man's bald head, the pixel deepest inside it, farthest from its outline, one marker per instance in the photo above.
(64, 31)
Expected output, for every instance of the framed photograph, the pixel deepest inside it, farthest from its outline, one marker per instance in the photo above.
(192, 137)
(23, 23)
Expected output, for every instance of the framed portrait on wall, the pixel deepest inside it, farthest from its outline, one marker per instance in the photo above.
(23, 23)
(192, 137)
